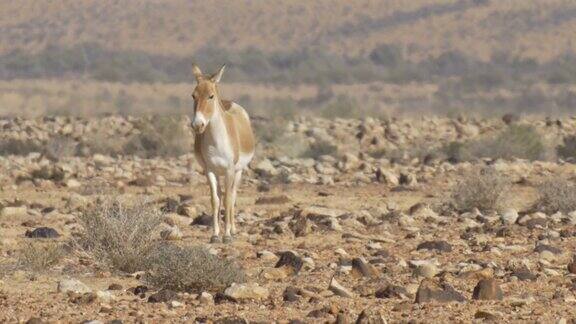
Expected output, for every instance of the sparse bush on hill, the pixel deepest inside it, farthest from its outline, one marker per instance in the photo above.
(119, 234)
(483, 189)
(556, 195)
(160, 136)
(190, 269)
(515, 142)
(567, 150)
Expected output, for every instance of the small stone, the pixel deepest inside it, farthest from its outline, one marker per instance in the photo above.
(301, 226)
(572, 267)
(105, 296)
(203, 219)
(115, 286)
(266, 256)
(163, 296)
(431, 290)
(338, 289)
(275, 273)
(544, 247)
(363, 268)
(486, 315)
(73, 285)
(427, 270)
(440, 246)
(16, 211)
(391, 291)
(35, 320)
(487, 289)
(509, 217)
(291, 294)
(42, 232)
(171, 234)
(206, 298)
(272, 200)
(175, 304)
(248, 291)
(291, 260)
(371, 316)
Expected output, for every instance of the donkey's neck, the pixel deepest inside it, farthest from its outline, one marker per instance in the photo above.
(216, 127)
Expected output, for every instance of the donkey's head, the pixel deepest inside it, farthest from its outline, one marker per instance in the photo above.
(205, 97)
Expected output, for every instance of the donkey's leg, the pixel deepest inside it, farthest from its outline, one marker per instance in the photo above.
(237, 178)
(213, 181)
(228, 187)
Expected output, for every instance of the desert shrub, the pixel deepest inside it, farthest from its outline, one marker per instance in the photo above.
(483, 189)
(342, 107)
(517, 141)
(60, 146)
(40, 256)
(387, 55)
(567, 150)
(13, 146)
(160, 136)
(556, 195)
(191, 269)
(320, 148)
(119, 234)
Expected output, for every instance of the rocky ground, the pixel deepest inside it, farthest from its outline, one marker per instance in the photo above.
(358, 231)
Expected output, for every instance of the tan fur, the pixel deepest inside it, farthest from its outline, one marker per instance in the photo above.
(239, 146)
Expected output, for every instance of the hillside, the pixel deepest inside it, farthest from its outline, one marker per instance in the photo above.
(539, 29)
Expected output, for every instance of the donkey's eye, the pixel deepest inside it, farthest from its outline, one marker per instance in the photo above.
(211, 97)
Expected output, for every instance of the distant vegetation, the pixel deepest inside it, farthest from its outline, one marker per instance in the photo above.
(456, 71)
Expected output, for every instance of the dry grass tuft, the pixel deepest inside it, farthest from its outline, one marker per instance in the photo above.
(119, 234)
(191, 269)
(556, 195)
(483, 189)
(40, 256)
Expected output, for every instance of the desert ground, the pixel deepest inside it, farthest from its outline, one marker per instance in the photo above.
(349, 230)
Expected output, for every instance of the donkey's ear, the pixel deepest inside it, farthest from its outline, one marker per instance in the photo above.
(218, 75)
(197, 72)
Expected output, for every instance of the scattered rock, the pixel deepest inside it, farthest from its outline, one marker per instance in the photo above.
(544, 247)
(163, 296)
(291, 294)
(248, 291)
(391, 291)
(203, 219)
(440, 246)
(431, 290)
(290, 260)
(371, 316)
(42, 232)
(73, 285)
(338, 289)
(487, 289)
(363, 268)
(273, 200)
(171, 234)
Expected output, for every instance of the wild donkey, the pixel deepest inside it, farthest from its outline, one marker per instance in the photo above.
(224, 146)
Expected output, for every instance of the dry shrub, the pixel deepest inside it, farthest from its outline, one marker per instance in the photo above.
(567, 150)
(556, 195)
(60, 146)
(119, 234)
(483, 189)
(13, 146)
(40, 256)
(161, 136)
(516, 141)
(190, 269)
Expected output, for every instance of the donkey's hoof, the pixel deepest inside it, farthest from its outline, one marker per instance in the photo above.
(215, 239)
(227, 239)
